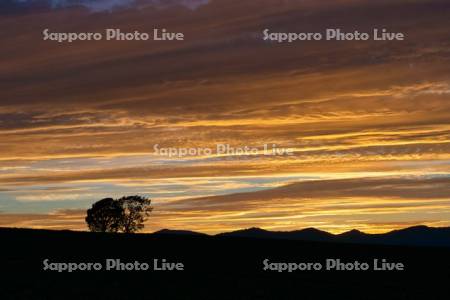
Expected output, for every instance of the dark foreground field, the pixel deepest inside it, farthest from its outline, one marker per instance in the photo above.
(215, 268)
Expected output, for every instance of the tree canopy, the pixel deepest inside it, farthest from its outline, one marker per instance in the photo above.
(127, 214)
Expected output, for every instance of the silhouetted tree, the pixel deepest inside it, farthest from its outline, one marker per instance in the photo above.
(136, 209)
(127, 214)
(105, 216)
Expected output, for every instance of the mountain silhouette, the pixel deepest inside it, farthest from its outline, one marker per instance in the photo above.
(178, 232)
(412, 236)
(231, 263)
(308, 234)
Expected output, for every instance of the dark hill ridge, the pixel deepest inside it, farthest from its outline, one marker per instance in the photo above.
(225, 266)
(412, 236)
(178, 232)
(308, 234)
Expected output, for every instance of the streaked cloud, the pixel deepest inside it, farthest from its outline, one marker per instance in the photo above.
(78, 122)
(369, 204)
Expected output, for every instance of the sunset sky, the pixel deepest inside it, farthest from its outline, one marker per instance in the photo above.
(369, 121)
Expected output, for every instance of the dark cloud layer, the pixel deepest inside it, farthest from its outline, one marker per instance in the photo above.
(21, 6)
